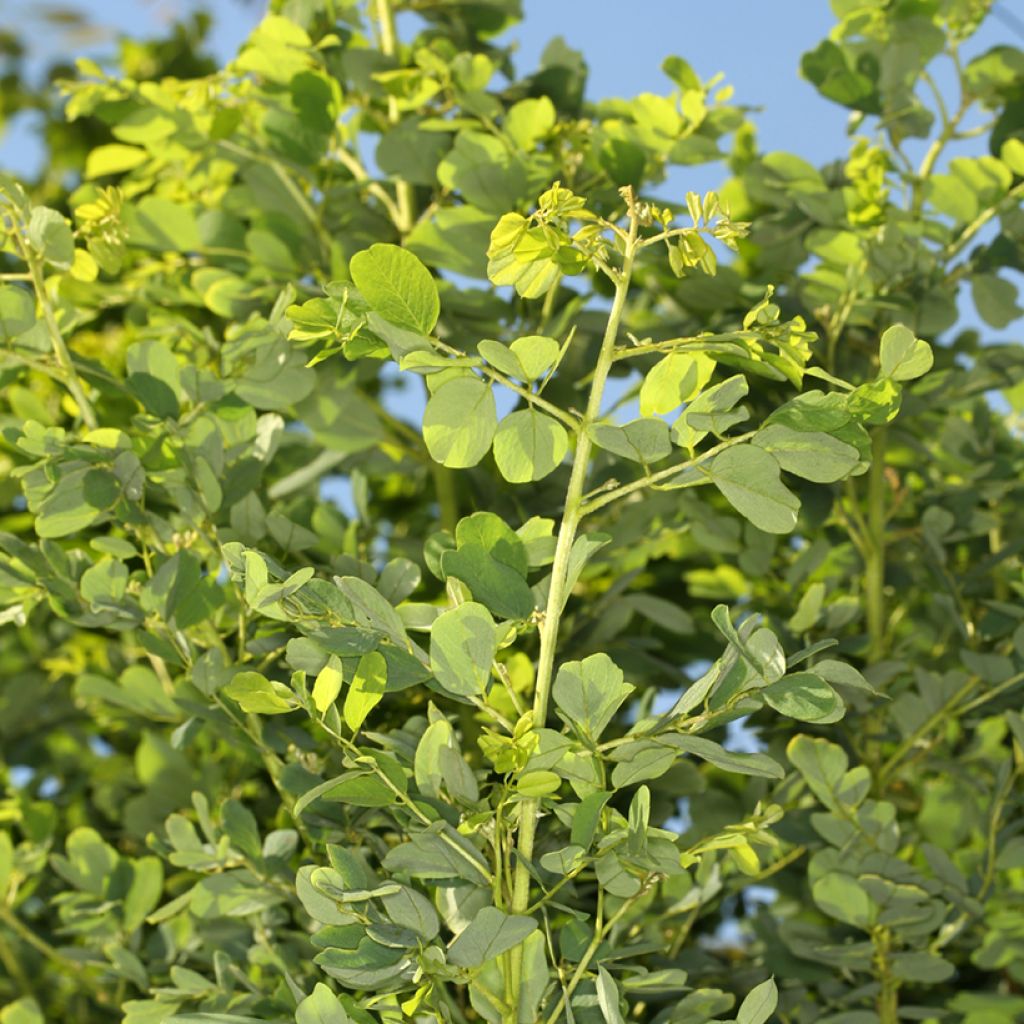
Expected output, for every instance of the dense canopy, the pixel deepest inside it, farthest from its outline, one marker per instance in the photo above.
(447, 577)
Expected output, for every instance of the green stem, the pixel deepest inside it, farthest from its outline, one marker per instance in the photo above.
(14, 967)
(600, 934)
(60, 349)
(41, 946)
(506, 382)
(447, 496)
(389, 47)
(652, 479)
(888, 1005)
(694, 343)
(557, 596)
(271, 762)
(941, 714)
(996, 691)
(961, 240)
(874, 581)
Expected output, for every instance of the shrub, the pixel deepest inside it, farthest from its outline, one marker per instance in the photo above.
(660, 666)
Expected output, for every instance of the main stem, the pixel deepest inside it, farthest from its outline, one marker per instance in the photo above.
(571, 516)
(888, 1001)
(875, 567)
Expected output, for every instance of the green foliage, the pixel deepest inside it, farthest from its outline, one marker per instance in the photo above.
(527, 725)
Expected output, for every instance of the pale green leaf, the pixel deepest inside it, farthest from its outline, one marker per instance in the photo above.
(759, 1004)
(673, 381)
(589, 692)
(460, 421)
(812, 455)
(366, 689)
(751, 482)
(463, 642)
(529, 445)
(902, 356)
(255, 694)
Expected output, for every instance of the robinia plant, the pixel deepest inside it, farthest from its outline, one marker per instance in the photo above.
(461, 582)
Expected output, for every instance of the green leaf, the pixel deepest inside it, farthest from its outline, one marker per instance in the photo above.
(89, 863)
(114, 158)
(523, 257)
(583, 550)
(80, 499)
(321, 1006)
(211, 1018)
(643, 440)
(366, 689)
(529, 120)
(371, 611)
(921, 967)
(412, 154)
(138, 689)
(398, 286)
(812, 455)
(589, 692)
(1012, 154)
(538, 783)
(526, 359)
(181, 593)
(410, 909)
(6, 859)
(257, 695)
(712, 411)
(490, 933)
(104, 582)
(876, 402)
(751, 482)
(453, 238)
(500, 587)
(50, 235)
(608, 997)
(427, 768)
(463, 643)
(587, 817)
(758, 765)
(160, 224)
(805, 697)
(359, 788)
(840, 896)
(996, 299)
(821, 763)
(640, 760)
(902, 356)
(759, 1004)
(154, 377)
(529, 445)
(460, 421)
(488, 174)
(496, 537)
(673, 381)
(17, 311)
(22, 1011)
(327, 685)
